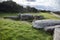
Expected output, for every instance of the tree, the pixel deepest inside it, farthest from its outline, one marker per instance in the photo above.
(34, 9)
(31, 9)
(10, 6)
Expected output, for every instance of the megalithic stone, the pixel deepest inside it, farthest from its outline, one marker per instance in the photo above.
(51, 29)
(56, 34)
(45, 23)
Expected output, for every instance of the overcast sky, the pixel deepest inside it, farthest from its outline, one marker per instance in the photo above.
(52, 3)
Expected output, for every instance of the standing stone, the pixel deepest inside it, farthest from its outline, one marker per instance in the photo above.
(56, 34)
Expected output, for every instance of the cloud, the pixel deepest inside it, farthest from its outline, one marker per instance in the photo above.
(24, 2)
(37, 2)
(2, 0)
(58, 3)
(53, 3)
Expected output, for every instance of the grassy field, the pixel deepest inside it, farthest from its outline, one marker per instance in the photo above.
(21, 30)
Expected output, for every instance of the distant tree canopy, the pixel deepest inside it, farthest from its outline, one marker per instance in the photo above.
(31, 9)
(45, 11)
(58, 12)
(10, 6)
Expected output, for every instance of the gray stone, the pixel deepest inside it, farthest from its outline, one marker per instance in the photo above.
(45, 23)
(26, 17)
(56, 34)
(50, 29)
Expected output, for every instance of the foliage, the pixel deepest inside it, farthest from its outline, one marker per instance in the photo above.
(57, 12)
(20, 30)
(45, 11)
(31, 9)
(10, 6)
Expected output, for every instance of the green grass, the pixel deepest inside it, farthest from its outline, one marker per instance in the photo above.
(49, 16)
(21, 30)
(8, 14)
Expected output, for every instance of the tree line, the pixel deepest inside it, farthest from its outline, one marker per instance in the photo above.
(10, 6)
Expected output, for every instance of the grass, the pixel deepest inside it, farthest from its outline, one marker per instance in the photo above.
(8, 14)
(49, 16)
(20, 30)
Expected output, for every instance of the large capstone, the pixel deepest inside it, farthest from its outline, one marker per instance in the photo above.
(45, 23)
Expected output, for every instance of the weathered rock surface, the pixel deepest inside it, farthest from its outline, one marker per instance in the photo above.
(56, 34)
(26, 17)
(23, 17)
(51, 29)
(45, 23)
